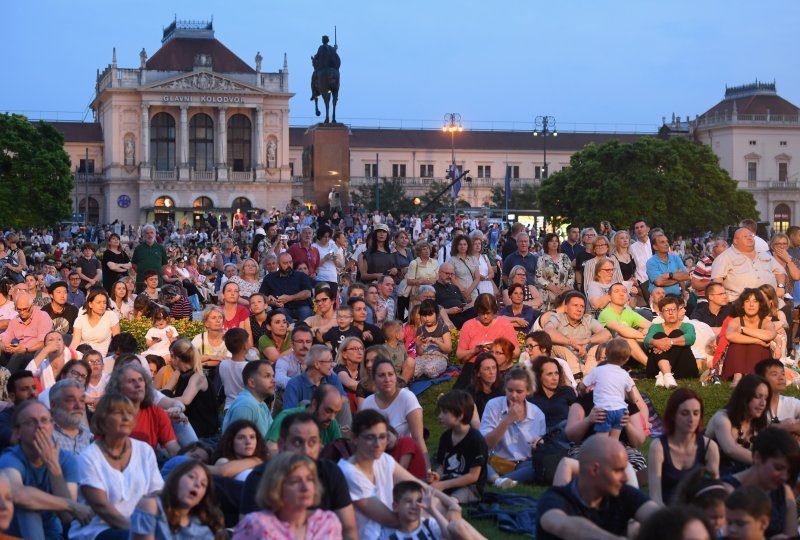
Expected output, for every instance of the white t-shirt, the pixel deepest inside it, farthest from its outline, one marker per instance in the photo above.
(327, 270)
(230, 373)
(398, 410)
(611, 384)
(123, 489)
(99, 335)
(428, 530)
(7, 311)
(362, 488)
(703, 334)
(788, 408)
(160, 348)
(45, 370)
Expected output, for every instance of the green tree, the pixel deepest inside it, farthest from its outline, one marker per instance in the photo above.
(437, 197)
(35, 177)
(393, 196)
(675, 184)
(523, 197)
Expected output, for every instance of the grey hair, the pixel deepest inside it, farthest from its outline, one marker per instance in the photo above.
(148, 226)
(57, 389)
(315, 353)
(423, 289)
(475, 234)
(271, 257)
(517, 267)
(114, 385)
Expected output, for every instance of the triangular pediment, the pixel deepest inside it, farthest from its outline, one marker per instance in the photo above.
(752, 156)
(783, 157)
(203, 81)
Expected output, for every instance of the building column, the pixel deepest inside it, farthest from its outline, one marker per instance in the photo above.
(184, 137)
(222, 137)
(259, 163)
(145, 144)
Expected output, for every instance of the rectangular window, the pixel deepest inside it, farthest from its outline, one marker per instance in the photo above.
(783, 172)
(82, 167)
(291, 168)
(484, 171)
(752, 169)
(398, 170)
(537, 172)
(426, 171)
(370, 170)
(514, 171)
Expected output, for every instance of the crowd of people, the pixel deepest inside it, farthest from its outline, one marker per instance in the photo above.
(294, 413)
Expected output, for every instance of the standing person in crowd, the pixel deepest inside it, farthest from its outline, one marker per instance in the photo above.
(289, 489)
(555, 274)
(701, 274)
(467, 273)
(620, 251)
(88, 267)
(669, 343)
(734, 427)
(211, 343)
(185, 508)
(681, 448)
(749, 333)
(641, 251)
(571, 246)
(229, 254)
(115, 472)
(522, 256)
(378, 260)
(588, 236)
(740, 267)
(288, 290)
(15, 260)
(304, 251)
(330, 259)
(24, 336)
(148, 255)
(486, 267)
(421, 271)
(598, 503)
(116, 263)
(96, 324)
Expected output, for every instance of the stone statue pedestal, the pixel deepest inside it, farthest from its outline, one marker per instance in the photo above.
(326, 163)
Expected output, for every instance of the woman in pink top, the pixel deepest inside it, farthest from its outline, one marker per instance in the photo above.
(478, 334)
(288, 491)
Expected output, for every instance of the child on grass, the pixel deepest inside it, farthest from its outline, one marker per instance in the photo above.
(403, 364)
(409, 499)
(433, 342)
(462, 453)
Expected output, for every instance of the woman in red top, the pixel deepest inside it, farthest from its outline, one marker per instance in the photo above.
(235, 313)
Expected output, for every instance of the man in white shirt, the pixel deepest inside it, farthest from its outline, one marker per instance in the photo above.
(761, 244)
(782, 411)
(641, 251)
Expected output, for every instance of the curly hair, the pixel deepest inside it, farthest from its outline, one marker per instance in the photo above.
(737, 306)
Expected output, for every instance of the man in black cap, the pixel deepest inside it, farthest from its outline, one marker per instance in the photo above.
(62, 313)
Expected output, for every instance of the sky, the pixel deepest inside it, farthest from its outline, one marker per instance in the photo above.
(593, 65)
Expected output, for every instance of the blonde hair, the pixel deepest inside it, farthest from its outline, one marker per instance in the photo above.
(108, 404)
(211, 309)
(185, 352)
(270, 489)
(615, 241)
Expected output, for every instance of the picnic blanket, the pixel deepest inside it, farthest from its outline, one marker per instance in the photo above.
(419, 386)
(514, 513)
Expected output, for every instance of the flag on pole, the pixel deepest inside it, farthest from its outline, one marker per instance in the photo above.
(453, 175)
(508, 184)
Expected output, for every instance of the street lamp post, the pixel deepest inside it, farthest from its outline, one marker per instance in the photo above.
(452, 124)
(546, 126)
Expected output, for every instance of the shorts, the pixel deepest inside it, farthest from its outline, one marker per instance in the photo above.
(612, 421)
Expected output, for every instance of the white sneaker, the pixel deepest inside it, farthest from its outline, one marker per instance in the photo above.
(669, 381)
(660, 380)
(505, 483)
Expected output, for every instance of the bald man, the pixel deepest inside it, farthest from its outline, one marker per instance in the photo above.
(741, 266)
(449, 297)
(598, 503)
(25, 334)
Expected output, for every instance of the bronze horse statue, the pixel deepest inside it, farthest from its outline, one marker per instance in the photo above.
(325, 83)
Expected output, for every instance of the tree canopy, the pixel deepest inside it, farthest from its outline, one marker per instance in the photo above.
(675, 184)
(522, 198)
(35, 177)
(392, 196)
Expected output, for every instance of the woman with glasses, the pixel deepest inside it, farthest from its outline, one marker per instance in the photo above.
(669, 343)
(530, 294)
(372, 473)
(350, 357)
(97, 380)
(539, 343)
(554, 272)
(601, 249)
(76, 370)
(325, 318)
(598, 289)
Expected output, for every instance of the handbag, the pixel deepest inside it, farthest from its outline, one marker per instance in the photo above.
(547, 455)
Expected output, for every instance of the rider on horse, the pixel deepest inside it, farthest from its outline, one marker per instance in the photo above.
(325, 80)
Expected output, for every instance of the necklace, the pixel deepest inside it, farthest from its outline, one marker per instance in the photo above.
(107, 451)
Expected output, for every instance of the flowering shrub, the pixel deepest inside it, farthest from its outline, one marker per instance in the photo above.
(139, 327)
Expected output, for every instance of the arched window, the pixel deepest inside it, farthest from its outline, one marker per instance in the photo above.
(93, 213)
(162, 141)
(242, 203)
(201, 142)
(165, 201)
(239, 145)
(782, 218)
(203, 202)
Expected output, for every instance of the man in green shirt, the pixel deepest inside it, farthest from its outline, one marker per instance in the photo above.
(325, 405)
(148, 255)
(623, 321)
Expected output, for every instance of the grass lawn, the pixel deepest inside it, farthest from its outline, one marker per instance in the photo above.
(714, 398)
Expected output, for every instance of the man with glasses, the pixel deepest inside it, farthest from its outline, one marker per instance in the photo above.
(319, 370)
(75, 296)
(68, 407)
(740, 267)
(450, 299)
(300, 434)
(290, 365)
(43, 478)
(24, 336)
(715, 310)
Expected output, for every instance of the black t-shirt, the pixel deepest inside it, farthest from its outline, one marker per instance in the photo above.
(377, 335)
(335, 336)
(556, 407)
(587, 402)
(62, 322)
(471, 451)
(335, 493)
(482, 399)
(701, 313)
(612, 515)
(448, 296)
(89, 267)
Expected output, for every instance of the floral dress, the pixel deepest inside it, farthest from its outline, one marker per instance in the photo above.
(550, 272)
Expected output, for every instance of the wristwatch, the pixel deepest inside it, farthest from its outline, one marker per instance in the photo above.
(671, 343)
(781, 286)
(670, 275)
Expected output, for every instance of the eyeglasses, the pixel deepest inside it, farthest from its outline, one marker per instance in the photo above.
(359, 349)
(76, 374)
(669, 310)
(447, 273)
(606, 269)
(36, 422)
(530, 347)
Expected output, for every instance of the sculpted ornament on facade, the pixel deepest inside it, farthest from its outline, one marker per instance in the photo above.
(202, 81)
